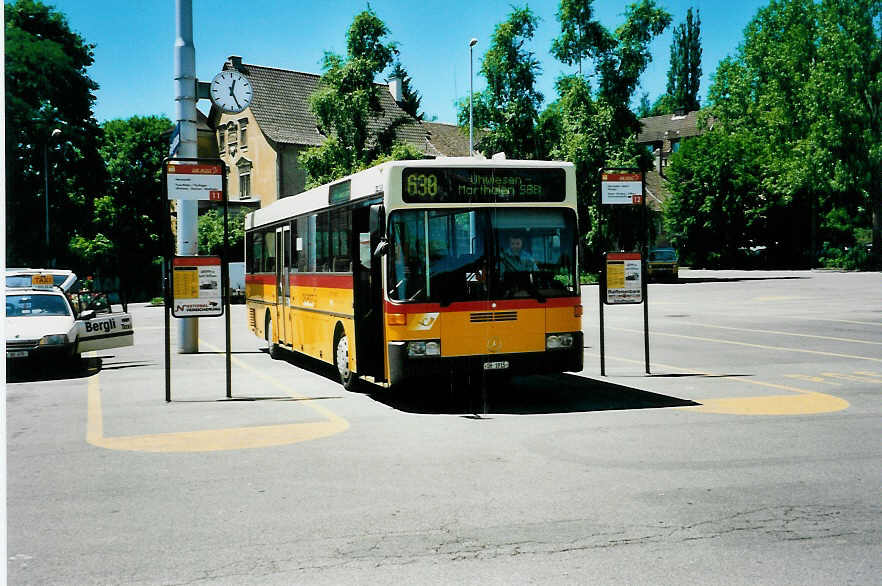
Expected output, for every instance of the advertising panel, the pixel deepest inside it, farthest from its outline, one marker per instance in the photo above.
(623, 284)
(196, 286)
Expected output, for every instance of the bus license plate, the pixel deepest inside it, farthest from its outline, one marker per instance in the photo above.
(500, 365)
(17, 354)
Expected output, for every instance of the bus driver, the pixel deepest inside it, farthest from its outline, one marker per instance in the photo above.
(515, 258)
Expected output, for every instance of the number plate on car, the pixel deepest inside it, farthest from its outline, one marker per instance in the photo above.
(17, 354)
(500, 365)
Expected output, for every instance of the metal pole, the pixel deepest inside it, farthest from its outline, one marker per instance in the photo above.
(185, 104)
(46, 194)
(601, 292)
(471, 91)
(225, 280)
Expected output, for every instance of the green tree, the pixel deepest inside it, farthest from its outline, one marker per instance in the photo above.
(716, 206)
(411, 98)
(846, 84)
(210, 229)
(347, 100)
(508, 108)
(684, 74)
(805, 85)
(596, 127)
(130, 214)
(47, 88)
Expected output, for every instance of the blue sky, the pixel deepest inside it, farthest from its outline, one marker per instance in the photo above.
(134, 54)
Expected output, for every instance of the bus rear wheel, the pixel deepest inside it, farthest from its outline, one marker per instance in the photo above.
(272, 349)
(341, 361)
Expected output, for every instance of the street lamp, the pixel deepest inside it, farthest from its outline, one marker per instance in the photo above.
(55, 133)
(472, 43)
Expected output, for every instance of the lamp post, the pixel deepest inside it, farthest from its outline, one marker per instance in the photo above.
(472, 43)
(55, 133)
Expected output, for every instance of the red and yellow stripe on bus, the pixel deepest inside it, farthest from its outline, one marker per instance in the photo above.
(318, 302)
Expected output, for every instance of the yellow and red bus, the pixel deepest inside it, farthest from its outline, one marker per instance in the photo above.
(423, 268)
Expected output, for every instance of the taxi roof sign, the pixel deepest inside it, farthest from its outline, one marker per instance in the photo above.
(42, 280)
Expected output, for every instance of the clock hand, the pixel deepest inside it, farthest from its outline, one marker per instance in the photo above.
(236, 100)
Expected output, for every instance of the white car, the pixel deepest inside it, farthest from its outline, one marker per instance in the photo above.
(41, 323)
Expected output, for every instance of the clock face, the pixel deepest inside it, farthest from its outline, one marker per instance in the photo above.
(231, 91)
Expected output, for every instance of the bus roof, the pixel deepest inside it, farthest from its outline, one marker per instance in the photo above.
(371, 182)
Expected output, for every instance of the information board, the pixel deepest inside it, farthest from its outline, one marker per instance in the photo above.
(196, 286)
(194, 182)
(619, 188)
(624, 272)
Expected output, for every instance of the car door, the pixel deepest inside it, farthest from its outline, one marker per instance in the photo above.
(111, 330)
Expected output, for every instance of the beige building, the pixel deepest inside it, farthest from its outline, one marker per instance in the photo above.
(261, 146)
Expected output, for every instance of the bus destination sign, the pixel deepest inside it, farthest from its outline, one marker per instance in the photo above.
(482, 185)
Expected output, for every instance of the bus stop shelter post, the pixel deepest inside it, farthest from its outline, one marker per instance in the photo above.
(601, 291)
(645, 278)
(167, 294)
(225, 280)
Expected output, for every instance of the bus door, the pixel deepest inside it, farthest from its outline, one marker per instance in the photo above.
(283, 297)
(367, 297)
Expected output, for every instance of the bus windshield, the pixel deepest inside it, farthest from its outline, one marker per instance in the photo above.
(468, 255)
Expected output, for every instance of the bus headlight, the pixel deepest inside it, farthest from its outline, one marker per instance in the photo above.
(558, 341)
(53, 340)
(416, 349)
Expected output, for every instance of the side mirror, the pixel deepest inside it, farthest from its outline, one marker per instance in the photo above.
(377, 223)
(87, 314)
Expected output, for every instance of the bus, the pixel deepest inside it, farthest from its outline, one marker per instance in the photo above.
(426, 268)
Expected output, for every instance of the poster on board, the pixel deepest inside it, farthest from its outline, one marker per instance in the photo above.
(196, 286)
(623, 283)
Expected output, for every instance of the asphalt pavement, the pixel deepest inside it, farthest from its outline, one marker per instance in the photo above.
(749, 454)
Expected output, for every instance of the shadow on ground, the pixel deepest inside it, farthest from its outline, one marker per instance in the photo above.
(40, 371)
(523, 395)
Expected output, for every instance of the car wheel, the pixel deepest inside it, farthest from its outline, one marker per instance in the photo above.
(341, 361)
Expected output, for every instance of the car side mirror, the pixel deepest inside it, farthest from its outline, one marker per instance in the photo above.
(87, 314)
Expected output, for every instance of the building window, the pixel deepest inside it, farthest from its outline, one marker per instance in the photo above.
(244, 166)
(675, 145)
(243, 133)
(222, 141)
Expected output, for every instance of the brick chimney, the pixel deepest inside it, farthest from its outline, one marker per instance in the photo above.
(234, 61)
(396, 88)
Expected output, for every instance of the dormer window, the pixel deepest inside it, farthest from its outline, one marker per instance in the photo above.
(222, 140)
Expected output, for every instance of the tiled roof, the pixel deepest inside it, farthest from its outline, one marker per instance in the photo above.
(281, 107)
(653, 129)
(449, 139)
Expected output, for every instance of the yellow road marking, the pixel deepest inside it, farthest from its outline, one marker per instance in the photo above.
(869, 373)
(813, 379)
(749, 345)
(234, 438)
(805, 402)
(844, 321)
(778, 333)
(849, 377)
(779, 298)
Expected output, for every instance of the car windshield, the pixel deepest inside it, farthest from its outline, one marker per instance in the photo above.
(662, 255)
(466, 255)
(36, 305)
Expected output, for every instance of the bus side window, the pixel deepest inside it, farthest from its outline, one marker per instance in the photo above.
(269, 252)
(302, 245)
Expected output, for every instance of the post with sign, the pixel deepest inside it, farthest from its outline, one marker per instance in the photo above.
(623, 279)
(196, 286)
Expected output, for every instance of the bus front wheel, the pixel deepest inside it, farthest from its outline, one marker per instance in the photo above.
(341, 361)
